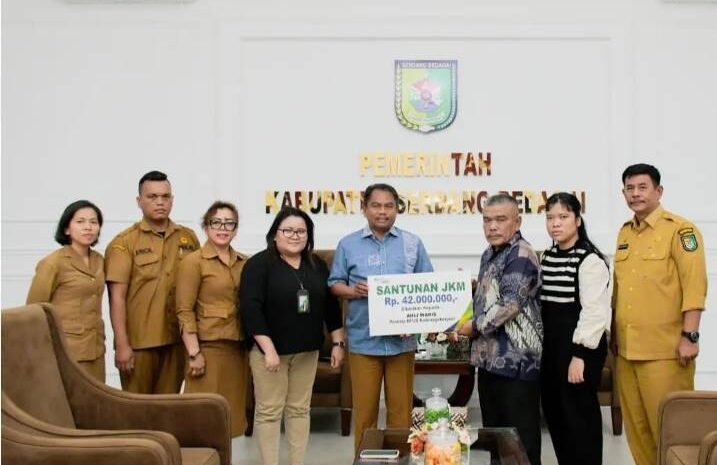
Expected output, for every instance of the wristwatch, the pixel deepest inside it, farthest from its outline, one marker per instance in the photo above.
(341, 344)
(692, 336)
(194, 356)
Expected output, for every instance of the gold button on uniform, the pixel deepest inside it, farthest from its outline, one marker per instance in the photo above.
(665, 281)
(134, 257)
(61, 278)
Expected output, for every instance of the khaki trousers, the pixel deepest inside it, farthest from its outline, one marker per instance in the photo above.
(157, 370)
(226, 373)
(96, 367)
(288, 393)
(367, 372)
(642, 386)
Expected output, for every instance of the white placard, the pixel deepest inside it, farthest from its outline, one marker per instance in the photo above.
(418, 303)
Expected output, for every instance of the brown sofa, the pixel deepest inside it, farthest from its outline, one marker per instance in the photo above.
(332, 386)
(54, 413)
(608, 395)
(687, 422)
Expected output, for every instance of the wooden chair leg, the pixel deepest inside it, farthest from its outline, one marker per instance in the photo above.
(616, 413)
(345, 421)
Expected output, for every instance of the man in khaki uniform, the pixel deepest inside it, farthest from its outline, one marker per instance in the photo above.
(140, 267)
(659, 294)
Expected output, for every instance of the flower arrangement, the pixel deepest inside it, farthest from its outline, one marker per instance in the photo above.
(444, 345)
(441, 338)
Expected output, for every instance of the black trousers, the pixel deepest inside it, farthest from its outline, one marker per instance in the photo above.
(506, 402)
(572, 411)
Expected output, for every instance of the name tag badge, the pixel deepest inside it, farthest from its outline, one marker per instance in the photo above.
(302, 301)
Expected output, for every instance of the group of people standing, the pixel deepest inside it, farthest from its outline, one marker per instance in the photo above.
(198, 315)
(540, 326)
(206, 315)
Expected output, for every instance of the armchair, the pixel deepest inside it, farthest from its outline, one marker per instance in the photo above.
(687, 422)
(53, 412)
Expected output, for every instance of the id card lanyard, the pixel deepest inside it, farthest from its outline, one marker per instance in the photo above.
(302, 294)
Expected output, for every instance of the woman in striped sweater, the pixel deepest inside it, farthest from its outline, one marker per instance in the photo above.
(575, 298)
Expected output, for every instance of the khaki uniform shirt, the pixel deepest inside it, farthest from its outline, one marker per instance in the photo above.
(147, 262)
(63, 279)
(659, 273)
(207, 301)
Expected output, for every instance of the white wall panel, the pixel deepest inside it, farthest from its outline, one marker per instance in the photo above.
(236, 98)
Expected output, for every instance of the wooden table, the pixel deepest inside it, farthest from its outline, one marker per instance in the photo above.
(447, 366)
(503, 444)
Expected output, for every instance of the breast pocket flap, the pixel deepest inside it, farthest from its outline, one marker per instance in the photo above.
(215, 312)
(146, 259)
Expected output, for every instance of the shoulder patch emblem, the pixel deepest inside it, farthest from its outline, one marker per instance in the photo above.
(119, 247)
(684, 231)
(688, 240)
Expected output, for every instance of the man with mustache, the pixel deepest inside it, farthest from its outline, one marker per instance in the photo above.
(379, 248)
(141, 265)
(658, 297)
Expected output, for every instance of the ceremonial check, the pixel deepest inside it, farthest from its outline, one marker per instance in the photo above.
(418, 303)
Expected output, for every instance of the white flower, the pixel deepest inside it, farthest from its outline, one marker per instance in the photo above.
(441, 337)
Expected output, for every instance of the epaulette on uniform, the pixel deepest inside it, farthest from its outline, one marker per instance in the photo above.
(679, 220)
(127, 231)
(184, 229)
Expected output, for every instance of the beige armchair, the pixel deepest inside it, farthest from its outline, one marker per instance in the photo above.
(54, 413)
(687, 422)
(332, 387)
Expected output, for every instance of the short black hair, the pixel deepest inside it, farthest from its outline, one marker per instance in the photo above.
(380, 187)
(151, 176)
(69, 213)
(642, 168)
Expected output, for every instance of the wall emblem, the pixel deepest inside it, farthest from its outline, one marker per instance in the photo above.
(426, 93)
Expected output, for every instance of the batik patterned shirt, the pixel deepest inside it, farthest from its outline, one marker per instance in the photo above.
(506, 311)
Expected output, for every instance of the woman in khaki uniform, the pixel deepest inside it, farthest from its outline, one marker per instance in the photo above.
(73, 279)
(208, 314)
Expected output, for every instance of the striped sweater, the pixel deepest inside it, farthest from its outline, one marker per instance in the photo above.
(575, 295)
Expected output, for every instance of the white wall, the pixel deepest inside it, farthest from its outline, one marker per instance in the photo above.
(233, 99)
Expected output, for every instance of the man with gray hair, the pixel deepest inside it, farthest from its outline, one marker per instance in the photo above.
(506, 328)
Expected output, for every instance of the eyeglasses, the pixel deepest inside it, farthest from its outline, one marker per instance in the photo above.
(289, 233)
(216, 223)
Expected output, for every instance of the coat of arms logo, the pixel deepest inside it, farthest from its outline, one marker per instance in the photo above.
(426, 94)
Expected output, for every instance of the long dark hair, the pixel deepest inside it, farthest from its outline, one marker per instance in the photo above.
(283, 214)
(572, 204)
